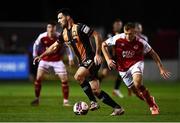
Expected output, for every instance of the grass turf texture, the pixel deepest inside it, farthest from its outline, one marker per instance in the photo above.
(15, 98)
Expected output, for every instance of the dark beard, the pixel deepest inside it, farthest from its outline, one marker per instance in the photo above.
(65, 26)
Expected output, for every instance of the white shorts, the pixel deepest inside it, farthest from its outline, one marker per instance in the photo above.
(57, 66)
(135, 69)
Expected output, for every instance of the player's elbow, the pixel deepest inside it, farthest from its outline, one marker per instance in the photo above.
(103, 45)
(152, 53)
(54, 49)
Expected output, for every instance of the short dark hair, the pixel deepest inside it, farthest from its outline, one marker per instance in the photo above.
(117, 20)
(53, 23)
(65, 11)
(129, 25)
(137, 24)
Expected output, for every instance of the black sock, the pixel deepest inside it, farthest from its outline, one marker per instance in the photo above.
(88, 91)
(117, 83)
(108, 100)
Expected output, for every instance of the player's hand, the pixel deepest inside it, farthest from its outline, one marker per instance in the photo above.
(71, 63)
(36, 59)
(111, 64)
(165, 73)
(97, 59)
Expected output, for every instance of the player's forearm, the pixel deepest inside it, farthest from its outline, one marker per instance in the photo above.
(156, 58)
(52, 49)
(105, 51)
(98, 42)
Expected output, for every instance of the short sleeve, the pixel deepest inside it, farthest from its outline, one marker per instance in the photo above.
(83, 28)
(110, 41)
(38, 40)
(147, 47)
(36, 46)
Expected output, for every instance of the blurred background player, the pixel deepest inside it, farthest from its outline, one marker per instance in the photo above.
(117, 26)
(78, 36)
(130, 51)
(139, 31)
(54, 61)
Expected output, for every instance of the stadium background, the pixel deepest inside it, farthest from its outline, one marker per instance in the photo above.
(22, 21)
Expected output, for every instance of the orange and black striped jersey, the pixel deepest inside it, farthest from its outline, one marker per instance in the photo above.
(78, 38)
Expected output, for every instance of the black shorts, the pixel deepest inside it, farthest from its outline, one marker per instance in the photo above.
(93, 69)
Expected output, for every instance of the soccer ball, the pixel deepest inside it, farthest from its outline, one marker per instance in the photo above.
(80, 108)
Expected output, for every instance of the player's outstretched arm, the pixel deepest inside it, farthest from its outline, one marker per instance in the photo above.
(110, 62)
(98, 41)
(53, 48)
(164, 73)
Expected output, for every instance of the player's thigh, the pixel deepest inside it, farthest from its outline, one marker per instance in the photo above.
(137, 79)
(137, 73)
(127, 78)
(81, 73)
(93, 70)
(95, 86)
(43, 68)
(40, 73)
(84, 69)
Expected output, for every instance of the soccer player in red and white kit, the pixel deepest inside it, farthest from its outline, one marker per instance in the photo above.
(130, 51)
(54, 61)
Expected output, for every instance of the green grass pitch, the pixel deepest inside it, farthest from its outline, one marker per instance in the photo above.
(15, 98)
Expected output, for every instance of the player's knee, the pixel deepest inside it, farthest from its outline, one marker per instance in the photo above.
(137, 85)
(79, 77)
(37, 82)
(64, 79)
(134, 89)
(95, 90)
(64, 83)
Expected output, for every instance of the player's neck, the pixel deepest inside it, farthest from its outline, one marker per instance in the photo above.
(50, 35)
(70, 24)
